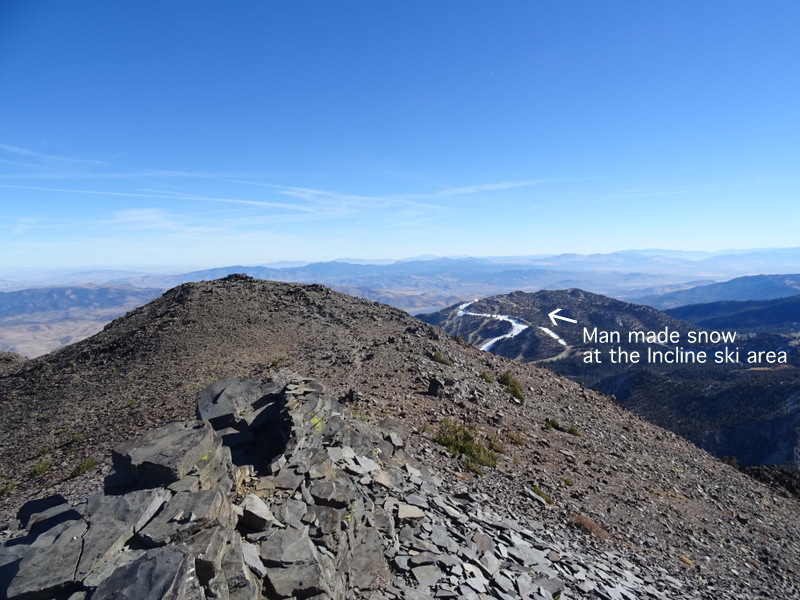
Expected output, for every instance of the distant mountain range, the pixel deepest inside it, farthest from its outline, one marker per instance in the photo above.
(36, 321)
(659, 278)
(81, 297)
(777, 316)
(625, 274)
(753, 287)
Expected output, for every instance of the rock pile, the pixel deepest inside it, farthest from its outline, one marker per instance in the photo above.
(276, 491)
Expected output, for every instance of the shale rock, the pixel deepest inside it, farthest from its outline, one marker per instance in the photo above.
(317, 504)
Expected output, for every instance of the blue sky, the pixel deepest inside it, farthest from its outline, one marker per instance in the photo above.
(198, 134)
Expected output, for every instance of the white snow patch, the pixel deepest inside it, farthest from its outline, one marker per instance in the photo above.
(553, 335)
(516, 326)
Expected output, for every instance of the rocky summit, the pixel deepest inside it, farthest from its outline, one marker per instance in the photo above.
(252, 439)
(274, 491)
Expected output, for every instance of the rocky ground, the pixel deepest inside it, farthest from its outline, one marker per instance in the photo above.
(603, 486)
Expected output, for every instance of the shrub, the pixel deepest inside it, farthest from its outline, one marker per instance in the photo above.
(41, 468)
(573, 431)
(6, 488)
(487, 378)
(87, 464)
(542, 494)
(442, 359)
(513, 386)
(459, 439)
(496, 446)
(590, 526)
(567, 481)
(551, 424)
(514, 438)
(731, 461)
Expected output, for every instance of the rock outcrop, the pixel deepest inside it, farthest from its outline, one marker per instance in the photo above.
(277, 492)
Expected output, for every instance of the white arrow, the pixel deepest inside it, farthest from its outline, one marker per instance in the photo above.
(554, 315)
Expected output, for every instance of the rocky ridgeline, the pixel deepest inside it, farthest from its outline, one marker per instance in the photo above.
(276, 492)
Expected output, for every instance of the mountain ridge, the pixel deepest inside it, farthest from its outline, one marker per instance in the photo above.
(652, 491)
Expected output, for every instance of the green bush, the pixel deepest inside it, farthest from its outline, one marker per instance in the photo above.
(459, 439)
(573, 431)
(514, 438)
(87, 464)
(41, 468)
(442, 359)
(496, 446)
(551, 424)
(6, 488)
(542, 494)
(513, 386)
(731, 461)
(487, 378)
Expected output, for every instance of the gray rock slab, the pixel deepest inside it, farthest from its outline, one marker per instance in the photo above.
(423, 558)
(45, 527)
(209, 547)
(39, 505)
(158, 574)
(49, 571)
(286, 547)
(299, 581)
(230, 401)
(383, 478)
(253, 560)
(427, 575)
(337, 493)
(551, 586)
(326, 521)
(104, 570)
(112, 522)
(239, 580)
(490, 561)
(287, 479)
(367, 562)
(184, 515)
(292, 512)
(407, 511)
(256, 513)
(166, 454)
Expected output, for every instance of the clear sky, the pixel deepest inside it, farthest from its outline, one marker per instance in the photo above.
(210, 133)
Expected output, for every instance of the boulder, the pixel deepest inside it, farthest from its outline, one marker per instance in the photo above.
(186, 514)
(158, 574)
(234, 401)
(164, 455)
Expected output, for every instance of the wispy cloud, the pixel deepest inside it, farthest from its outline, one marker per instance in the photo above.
(22, 225)
(643, 193)
(159, 220)
(20, 151)
(491, 187)
(156, 195)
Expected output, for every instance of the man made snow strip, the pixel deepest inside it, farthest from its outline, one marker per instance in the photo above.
(516, 326)
(553, 335)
